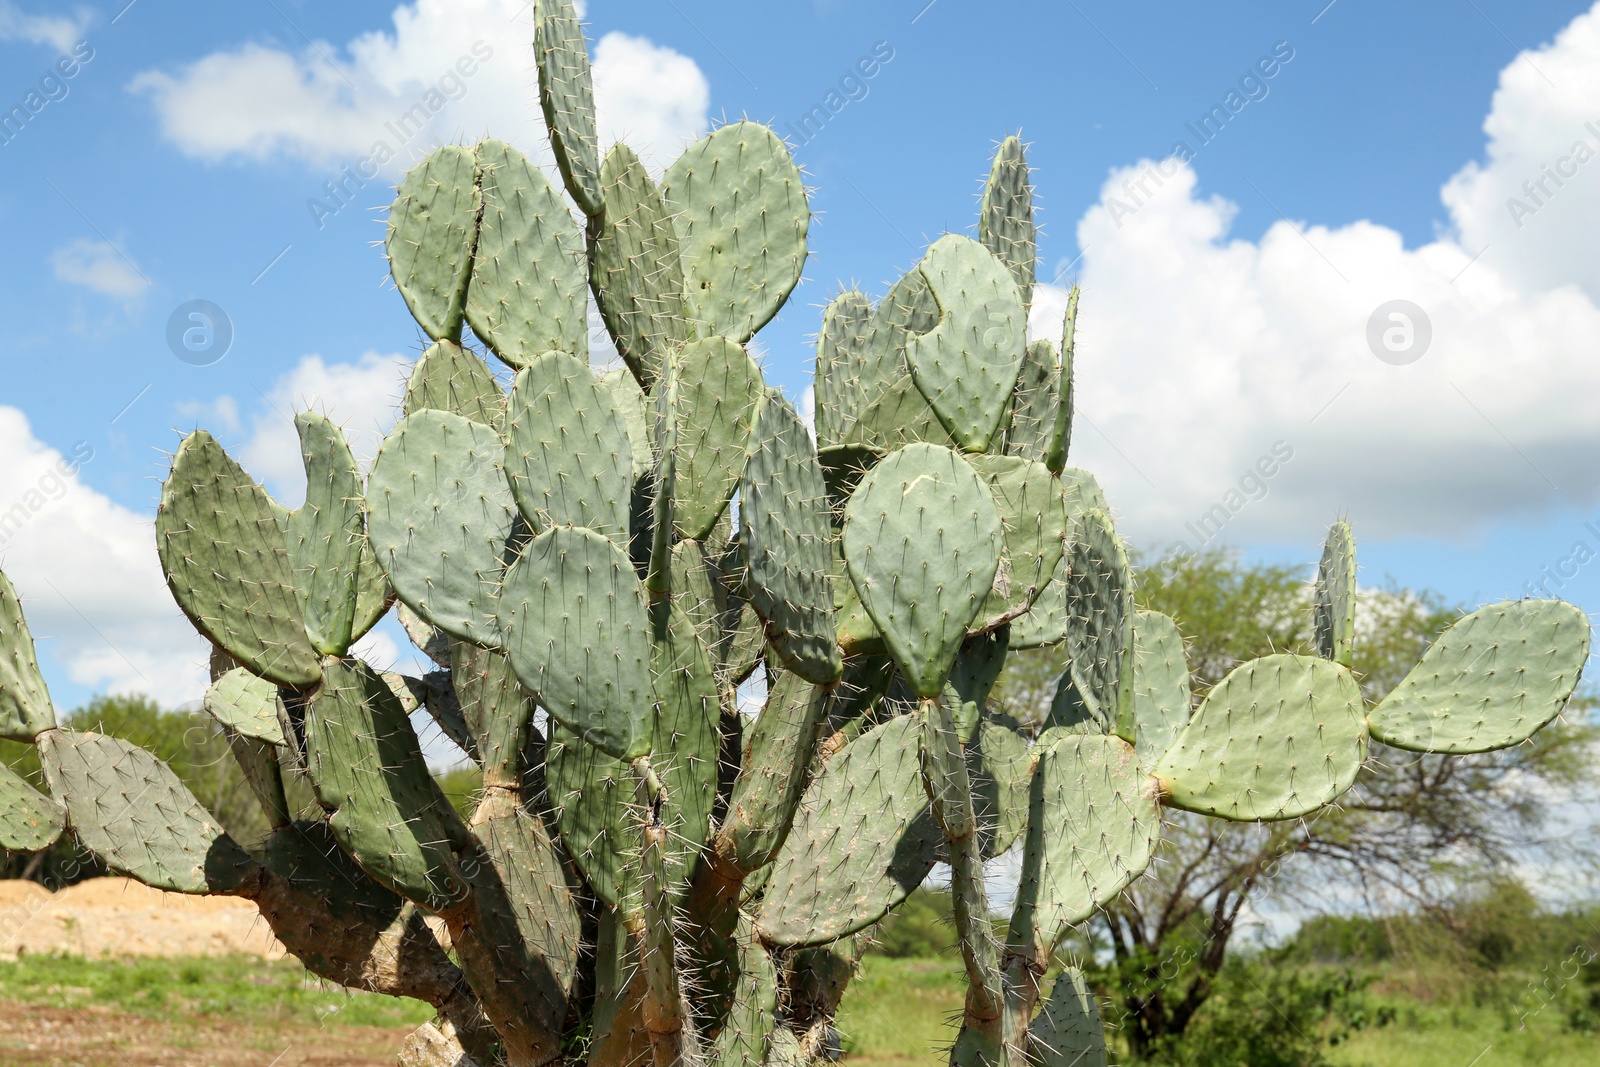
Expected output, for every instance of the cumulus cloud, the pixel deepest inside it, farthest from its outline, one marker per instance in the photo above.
(87, 572)
(362, 397)
(100, 267)
(449, 70)
(60, 32)
(1206, 361)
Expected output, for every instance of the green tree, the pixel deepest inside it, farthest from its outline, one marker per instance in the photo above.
(1411, 830)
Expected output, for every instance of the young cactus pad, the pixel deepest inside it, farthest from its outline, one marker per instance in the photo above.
(608, 567)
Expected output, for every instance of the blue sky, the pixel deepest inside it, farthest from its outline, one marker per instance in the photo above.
(1228, 292)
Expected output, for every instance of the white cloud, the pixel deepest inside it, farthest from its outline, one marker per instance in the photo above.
(87, 571)
(98, 266)
(1198, 353)
(60, 32)
(362, 397)
(449, 70)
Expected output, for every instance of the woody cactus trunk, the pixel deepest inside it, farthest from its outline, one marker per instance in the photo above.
(601, 564)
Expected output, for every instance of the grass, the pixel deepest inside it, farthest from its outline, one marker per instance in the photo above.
(242, 989)
(903, 1011)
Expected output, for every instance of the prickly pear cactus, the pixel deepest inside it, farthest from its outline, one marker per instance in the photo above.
(608, 567)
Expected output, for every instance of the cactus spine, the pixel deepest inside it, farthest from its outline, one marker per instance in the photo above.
(598, 562)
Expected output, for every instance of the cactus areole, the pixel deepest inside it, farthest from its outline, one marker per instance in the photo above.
(599, 561)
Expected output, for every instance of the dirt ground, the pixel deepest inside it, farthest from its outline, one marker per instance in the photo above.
(121, 917)
(36, 1036)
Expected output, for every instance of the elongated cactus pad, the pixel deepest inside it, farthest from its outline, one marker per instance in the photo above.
(494, 707)
(29, 820)
(719, 394)
(1099, 620)
(566, 94)
(439, 513)
(1046, 621)
(973, 674)
(1161, 694)
(1335, 597)
(1092, 826)
(1492, 680)
(922, 541)
(1067, 1030)
(432, 226)
(842, 358)
(326, 535)
(573, 612)
(136, 816)
(863, 839)
(1005, 220)
(635, 267)
(368, 773)
(784, 532)
(1278, 738)
(740, 209)
(898, 417)
(1000, 768)
(967, 365)
(568, 455)
(247, 705)
(226, 564)
(25, 707)
(1034, 407)
(1061, 435)
(529, 289)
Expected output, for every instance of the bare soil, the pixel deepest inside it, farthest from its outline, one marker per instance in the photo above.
(121, 917)
(33, 1035)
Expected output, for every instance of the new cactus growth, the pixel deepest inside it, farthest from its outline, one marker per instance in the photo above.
(598, 562)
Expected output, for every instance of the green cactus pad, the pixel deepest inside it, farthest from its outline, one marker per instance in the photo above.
(368, 773)
(629, 402)
(29, 820)
(776, 764)
(1161, 694)
(496, 710)
(718, 397)
(1034, 519)
(25, 707)
(922, 542)
(999, 766)
(635, 268)
(225, 561)
(136, 816)
(899, 417)
(740, 209)
(566, 95)
(433, 223)
(246, 705)
(1046, 621)
(439, 514)
(967, 366)
(1067, 1031)
(568, 456)
(1005, 219)
(594, 793)
(573, 612)
(742, 1041)
(529, 289)
(1335, 598)
(862, 840)
(374, 598)
(325, 535)
(1034, 406)
(785, 534)
(1061, 435)
(973, 674)
(1099, 596)
(1492, 680)
(841, 358)
(307, 856)
(1070, 713)
(1092, 826)
(1278, 738)
(448, 377)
